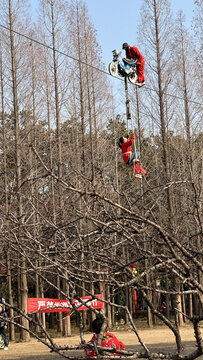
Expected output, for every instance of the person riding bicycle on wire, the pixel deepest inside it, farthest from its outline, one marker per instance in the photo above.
(133, 53)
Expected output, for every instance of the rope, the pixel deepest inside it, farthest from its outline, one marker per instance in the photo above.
(128, 114)
(134, 144)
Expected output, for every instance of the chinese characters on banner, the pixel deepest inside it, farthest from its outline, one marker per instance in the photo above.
(56, 305)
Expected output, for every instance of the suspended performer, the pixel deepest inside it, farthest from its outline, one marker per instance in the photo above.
(131, 158)
(133, 53)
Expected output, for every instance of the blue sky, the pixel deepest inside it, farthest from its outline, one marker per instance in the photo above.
(117, 21)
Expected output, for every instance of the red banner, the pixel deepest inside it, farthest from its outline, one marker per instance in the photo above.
(44, 305)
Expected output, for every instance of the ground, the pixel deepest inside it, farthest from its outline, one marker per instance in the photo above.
(159, 339)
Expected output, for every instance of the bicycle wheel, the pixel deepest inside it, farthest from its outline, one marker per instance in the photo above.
(132, 78)
(113, 68)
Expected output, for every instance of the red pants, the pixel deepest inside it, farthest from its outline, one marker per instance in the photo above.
(140, 72)
(139, 169)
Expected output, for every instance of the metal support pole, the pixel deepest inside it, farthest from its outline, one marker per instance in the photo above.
(127, 102)
(128, 110)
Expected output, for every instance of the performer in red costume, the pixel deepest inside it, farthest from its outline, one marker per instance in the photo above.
(133, 53)
(109, 340)
(131, 158)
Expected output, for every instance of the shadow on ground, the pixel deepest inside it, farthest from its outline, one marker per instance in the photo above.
(189, 347)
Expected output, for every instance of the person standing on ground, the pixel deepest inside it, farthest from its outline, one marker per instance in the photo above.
(3, 325)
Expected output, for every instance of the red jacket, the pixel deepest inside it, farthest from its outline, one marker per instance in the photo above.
(135, 54)
(126, 148)
(108, 340)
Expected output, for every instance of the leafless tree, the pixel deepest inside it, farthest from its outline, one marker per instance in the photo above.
(75, 213)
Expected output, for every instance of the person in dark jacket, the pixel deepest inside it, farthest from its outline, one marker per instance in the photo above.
(132, 52)
(3, 325)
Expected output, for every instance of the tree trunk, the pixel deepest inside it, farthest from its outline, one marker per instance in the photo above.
(8, 262)
(166, 159)
(148, 280)
(23, 276)
(43, 315)
(82, 117)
